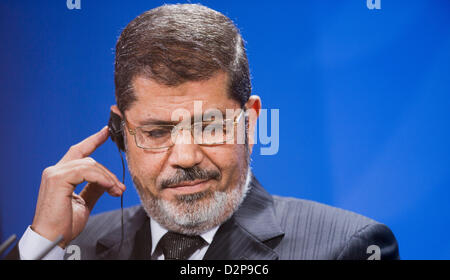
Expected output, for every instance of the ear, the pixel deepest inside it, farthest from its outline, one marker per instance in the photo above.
(116, 110)
(253, 108)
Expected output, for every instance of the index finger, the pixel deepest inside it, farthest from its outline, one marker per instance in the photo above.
(87, 146)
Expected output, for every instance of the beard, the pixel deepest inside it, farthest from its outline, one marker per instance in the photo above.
(196, 213)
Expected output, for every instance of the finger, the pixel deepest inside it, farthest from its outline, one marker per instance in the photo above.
(87, 146)
(86, 170)
(112, 176)
(90, 194)
(90, 161)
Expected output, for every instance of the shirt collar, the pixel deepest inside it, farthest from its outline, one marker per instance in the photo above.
(158, 232)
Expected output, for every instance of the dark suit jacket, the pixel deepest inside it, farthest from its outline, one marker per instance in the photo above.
(265, 227)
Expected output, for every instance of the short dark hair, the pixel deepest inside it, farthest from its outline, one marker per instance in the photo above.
(173, 44)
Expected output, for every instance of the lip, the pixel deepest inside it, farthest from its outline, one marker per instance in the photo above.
(189, 187)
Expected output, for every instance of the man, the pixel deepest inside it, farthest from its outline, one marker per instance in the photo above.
(199, 198)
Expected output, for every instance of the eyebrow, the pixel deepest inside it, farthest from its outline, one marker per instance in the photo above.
(152, 121)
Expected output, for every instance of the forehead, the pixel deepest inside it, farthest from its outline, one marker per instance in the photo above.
(158, 101)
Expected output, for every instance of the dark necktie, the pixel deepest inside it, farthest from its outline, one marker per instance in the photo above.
(176, 246)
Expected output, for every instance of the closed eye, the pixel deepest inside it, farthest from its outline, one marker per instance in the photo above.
(158, 133)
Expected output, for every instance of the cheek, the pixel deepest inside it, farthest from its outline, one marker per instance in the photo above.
(230, 159)
(145, 166)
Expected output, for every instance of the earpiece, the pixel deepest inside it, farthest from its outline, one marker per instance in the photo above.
(115, 130)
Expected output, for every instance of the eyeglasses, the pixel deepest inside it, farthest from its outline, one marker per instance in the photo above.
(154, 137)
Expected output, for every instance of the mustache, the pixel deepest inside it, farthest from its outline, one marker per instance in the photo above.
(190, 174)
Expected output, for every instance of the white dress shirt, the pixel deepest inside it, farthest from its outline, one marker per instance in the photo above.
(31, 244)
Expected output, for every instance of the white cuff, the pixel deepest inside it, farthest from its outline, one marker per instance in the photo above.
(31, 244)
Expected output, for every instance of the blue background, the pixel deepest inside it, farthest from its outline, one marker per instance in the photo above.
(363, 97)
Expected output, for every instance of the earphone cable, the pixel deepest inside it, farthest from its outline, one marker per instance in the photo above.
(121, 201)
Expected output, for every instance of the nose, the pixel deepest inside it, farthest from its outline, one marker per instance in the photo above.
(185, 153)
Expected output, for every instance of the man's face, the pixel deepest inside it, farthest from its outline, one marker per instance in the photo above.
(210, 180)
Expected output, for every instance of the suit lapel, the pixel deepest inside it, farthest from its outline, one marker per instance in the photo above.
(143, 243)
(251, 233)
(137, 240)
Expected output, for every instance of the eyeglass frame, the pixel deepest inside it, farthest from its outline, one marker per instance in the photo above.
(126, 123)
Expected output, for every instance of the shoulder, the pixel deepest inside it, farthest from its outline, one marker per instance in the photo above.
(288, 208)
(318, 231)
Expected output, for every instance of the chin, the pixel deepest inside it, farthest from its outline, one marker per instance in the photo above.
(196, 212)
